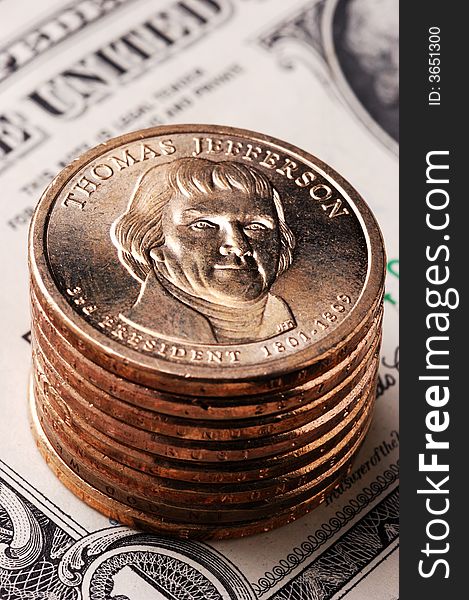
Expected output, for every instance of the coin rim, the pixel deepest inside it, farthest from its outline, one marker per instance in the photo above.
(250, 425)
(139, 520)
(206, 407)
(239, 473)
(164, 495)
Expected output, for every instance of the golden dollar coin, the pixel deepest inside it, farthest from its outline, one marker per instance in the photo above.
(186, 257)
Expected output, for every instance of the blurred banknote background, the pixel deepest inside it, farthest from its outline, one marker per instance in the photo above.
(320, 74)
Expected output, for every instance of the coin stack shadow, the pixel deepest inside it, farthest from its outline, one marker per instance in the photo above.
(209, 454)
(198, 467)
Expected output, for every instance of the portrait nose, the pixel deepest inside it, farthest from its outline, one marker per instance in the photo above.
(235, 242)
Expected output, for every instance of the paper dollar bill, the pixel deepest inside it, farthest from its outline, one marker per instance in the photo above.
(321, 74)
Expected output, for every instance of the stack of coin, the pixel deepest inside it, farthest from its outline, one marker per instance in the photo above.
(206, 323)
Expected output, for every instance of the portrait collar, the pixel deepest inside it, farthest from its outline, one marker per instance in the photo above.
(229, 324)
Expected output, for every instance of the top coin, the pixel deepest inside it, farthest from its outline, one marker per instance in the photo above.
(187, 256)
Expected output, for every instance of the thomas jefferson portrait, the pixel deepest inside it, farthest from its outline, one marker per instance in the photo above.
(206, 240)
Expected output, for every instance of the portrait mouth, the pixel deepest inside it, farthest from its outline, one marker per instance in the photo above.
(235, 268)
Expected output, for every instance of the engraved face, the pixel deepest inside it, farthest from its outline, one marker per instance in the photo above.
(221, 247)
(207, 241)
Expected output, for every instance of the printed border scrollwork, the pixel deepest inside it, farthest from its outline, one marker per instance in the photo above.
(302, 552)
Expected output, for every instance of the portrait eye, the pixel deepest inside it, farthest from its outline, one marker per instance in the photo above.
(202, 224)
(255, 227)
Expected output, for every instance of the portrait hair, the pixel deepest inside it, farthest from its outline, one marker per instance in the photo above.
(137, 231)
